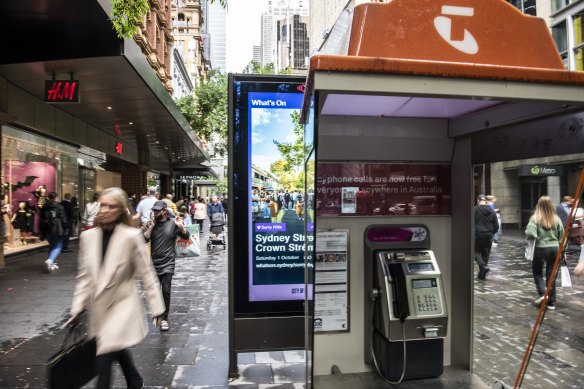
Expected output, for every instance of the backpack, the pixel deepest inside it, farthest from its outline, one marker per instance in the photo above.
(49, 223)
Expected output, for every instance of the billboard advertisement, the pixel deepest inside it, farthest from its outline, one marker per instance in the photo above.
(377, 189)
(268, 185)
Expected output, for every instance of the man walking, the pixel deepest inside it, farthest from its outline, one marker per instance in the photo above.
(564, 208)
(162, 232)
(144, 208)
(51, 226)
(68, 208)
(486, 225)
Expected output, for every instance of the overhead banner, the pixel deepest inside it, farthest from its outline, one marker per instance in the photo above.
(374, 189)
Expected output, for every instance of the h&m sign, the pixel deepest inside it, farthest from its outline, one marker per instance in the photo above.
(61, 91)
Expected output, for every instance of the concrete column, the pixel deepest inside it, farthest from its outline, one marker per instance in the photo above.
(553, 189)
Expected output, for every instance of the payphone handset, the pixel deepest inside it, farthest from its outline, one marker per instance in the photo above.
(410, 284)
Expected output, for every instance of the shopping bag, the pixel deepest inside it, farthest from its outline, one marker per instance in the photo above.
(529, 249)
(74, 364)
(188, 247)
(566, 279)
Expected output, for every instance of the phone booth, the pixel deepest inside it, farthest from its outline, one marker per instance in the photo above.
(397, 108)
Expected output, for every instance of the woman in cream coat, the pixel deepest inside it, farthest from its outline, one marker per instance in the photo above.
(106, 287)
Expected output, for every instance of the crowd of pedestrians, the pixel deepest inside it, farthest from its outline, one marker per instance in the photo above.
(545, 231)
(122, 238)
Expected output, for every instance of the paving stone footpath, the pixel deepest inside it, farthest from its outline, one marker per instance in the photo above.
(194, 353)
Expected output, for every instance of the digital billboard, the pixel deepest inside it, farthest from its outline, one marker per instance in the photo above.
(269, 198)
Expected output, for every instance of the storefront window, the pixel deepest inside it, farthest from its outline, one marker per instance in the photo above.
(32, 167)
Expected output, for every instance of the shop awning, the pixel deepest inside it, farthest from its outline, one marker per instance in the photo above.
(75, 38)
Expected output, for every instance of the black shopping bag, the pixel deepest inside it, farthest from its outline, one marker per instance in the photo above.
(74, 364)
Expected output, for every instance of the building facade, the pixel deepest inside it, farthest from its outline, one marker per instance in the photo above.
(186, 21)
(155, 40)
(278, 49)
(182, 84)
(518, 184)
(215, 25)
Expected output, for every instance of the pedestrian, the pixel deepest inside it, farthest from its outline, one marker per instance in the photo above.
(215, 206)
(491, 202)
(68, 208)
(90, 212)
(171, 205)
(184, 215)
(225, 203)
(274, 210)
(200, 213)
(144, 208)
(564, 208)
(547, 229)
(110, 257)
(299, 210)
(486, 226)
(52, 228)
(162, 232)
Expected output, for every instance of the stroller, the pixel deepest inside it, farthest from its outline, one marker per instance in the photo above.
(217, 235)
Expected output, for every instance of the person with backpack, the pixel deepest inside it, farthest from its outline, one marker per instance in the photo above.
(52, 228)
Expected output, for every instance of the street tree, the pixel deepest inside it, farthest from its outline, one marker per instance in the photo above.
(255, 67)
(206, 112)
(126, 14)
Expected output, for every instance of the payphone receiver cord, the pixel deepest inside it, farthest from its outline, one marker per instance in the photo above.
(405, 353)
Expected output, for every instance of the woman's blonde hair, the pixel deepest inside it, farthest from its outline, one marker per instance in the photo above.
(544, 214)
(121, 199)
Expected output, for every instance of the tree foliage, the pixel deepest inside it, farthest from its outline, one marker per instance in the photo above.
(289, 168)
(254, 67)
(126, 14)
(206, 112)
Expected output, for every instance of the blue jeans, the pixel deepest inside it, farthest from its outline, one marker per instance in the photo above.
(55, 247)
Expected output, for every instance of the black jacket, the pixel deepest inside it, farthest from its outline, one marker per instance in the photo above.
(68, 209)
(485, 220)
(49, 226)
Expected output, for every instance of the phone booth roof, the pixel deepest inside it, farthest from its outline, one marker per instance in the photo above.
(420, 58)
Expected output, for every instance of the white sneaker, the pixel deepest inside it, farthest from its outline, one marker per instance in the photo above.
(538, 300)
(49, 265)
(54, 267)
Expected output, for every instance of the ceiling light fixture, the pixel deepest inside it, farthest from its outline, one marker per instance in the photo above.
(109, 107)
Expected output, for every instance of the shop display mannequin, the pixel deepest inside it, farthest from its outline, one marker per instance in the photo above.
(21, 221)
(41, 195)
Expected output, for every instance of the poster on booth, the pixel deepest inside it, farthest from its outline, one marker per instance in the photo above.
(331, 297)
(276, 209)
(376, 189)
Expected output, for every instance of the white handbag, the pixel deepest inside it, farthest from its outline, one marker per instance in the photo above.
(566, 279)
(529, 249)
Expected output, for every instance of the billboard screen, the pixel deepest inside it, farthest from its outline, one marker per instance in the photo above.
(268, 186)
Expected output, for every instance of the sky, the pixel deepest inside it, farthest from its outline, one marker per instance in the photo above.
(243, 31)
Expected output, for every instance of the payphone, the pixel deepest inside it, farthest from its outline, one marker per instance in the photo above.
(408, 313)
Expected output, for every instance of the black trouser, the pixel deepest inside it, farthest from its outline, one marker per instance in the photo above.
(483, 243)
(165, 282)
(544, 256)
(200, 223)
(104, 369)
(68, 232)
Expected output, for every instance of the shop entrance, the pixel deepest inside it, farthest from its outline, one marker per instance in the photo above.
(531, 191)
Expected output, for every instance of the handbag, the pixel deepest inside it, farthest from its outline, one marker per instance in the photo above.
(566, 279)
(529, 249)
(74, 364)
(188, 247)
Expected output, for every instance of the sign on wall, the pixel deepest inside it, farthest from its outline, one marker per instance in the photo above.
(331, 286)
(62, 91)
(374, 189)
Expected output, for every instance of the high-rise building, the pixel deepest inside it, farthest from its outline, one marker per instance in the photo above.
(276, 50)
(186, 29)
(257, 53)
(215, 26)
(292, 42)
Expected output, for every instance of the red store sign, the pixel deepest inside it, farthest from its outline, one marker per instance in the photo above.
(61, 91)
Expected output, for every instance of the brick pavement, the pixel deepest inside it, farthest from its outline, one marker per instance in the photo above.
(194, 354)
(504, 315)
